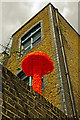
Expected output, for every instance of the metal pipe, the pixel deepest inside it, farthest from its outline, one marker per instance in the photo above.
(65, 64)
(57, 56)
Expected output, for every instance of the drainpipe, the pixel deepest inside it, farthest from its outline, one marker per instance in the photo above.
(66, 69)
(57, 56)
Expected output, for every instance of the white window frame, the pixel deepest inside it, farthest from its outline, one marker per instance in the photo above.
(20, 47)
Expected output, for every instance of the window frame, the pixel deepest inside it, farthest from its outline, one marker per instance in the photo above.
(30, 80)
(19, 40)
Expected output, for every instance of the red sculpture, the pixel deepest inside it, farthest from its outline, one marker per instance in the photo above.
(37, 64)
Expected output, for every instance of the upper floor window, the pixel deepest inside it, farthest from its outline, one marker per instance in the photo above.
(31, 38)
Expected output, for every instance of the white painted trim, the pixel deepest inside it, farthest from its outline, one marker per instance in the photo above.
(31, 28)
(19, 40)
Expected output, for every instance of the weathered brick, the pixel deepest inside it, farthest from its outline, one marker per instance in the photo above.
(48, 117)
(5, 118)
(0, 109)
(17, 117)
(28, 97)
(22, 95)
(11, 101)
(11, 108)
(22, 103)
(25, 111)
(4, 110)
(19, 107)
(5, 86)
(0, 67)
(30, 114)
(39, 105)
(0, 101)
(0, 116)
(10, 114)
(21, 114)
(12, 91)
(27, 117)
(9, 94)
(40, 116)
(31, 104)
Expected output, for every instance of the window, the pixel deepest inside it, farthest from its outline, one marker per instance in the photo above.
(31, 38)
(28, 79)
(23, 77)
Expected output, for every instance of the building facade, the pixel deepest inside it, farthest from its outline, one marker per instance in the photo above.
(20, 102)
(49, 32)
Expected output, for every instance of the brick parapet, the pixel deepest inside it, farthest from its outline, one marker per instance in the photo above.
(20, 102)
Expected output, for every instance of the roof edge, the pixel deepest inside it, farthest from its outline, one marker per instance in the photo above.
(67, 22)
(38, 13)
(32, 18)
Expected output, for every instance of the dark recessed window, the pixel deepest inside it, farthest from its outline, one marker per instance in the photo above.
(23, 77)
(31, 38)
(27, 79)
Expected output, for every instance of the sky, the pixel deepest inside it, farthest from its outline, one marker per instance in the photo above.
(14, 13)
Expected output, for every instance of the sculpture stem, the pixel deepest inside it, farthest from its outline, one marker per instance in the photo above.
(37, 79)
(37, 82)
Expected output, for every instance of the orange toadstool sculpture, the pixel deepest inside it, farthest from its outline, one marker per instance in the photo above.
(37, 64)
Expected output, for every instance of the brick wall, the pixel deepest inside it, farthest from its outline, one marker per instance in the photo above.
(0, 91)
(62, 66)
(50, 92)
(70, 41)
(20, 102)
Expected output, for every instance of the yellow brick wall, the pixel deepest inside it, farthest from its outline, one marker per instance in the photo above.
(50, 92)
(19, 101)
(71, 42)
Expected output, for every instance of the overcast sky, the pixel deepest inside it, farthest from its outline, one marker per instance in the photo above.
(15, 14)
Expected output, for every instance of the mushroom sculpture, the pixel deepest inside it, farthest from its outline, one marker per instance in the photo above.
(37, 64)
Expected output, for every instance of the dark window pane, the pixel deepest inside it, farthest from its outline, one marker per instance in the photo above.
(35, 28)
(26, 78)
(28, 83)
(36, 42)
(30, 32)
(27, 44)
(25, 36)
(36, 36)
(42, 86)
(27, 50)
(21, 75)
